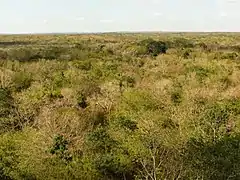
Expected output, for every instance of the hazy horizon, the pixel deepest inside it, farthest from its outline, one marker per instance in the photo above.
(82, 16)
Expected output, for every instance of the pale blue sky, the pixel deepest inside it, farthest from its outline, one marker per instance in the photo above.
(45, 16)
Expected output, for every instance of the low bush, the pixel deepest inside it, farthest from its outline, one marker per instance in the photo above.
(153, 47)
(6, 102)
(21, 80)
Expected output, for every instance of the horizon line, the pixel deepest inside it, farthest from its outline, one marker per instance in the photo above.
(115, 32)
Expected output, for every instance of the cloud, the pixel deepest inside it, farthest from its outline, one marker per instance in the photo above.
(232, 1)
(80, 18)
(156, 1)
(157, 14)
(106, 21)
(223, 14)
(45, 21)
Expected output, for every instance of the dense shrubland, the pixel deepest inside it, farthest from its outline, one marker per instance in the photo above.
(120, 107)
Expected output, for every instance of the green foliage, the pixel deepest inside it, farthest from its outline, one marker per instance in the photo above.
(186, 53)
(203, 45)
(215, 119)
(218, 160)
(53, 53)
(113, 166)
(126, 81)
(6, 102)
(9, 118)
(3, 55)
(59, 148)
(77, 54)
(201, 72)
(55, 94)
(153, 47)
(8, 158)
(21, 80)
(141, 101)
(82, 101)
(182, 43)
(62, 116)
(126, 123)
(83, 65)
(176, 96)
(230, 56)
(58, 80)
(22, 54)
(169, 123)
(100, 141)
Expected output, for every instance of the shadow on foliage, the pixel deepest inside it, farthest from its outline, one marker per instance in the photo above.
(214, 160)
(15, 43)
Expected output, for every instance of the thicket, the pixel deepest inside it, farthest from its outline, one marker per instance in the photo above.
(120, 107)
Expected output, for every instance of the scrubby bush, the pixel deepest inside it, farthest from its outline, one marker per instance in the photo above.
(21, 80)
(100, 140)
(125, 123)
(218, 160)
(156, 47)
(181, 43)
(83, 65)
(3, 55)
(54, 94)
(62, 116)
(53, 52)
(230, 55)
(59, 148)
(153, 47)
(82, 101)
(186, 53)
(6, 102)
(201, 72)
(176, 96)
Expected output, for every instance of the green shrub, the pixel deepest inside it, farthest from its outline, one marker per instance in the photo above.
(203, 46)
(153, 47)
(230, 55)
(89, 87)
(126, 123)
(114, 166)
(6, 102)
(157, 47)
(3, 55)
(8, 157)
(201, 72)
(208, 160)
(127, 81)
(100, 141)
(141, 101)
(78, 54)
(20, 54)
(59, 148)
(80, 46)
(83, 65)
(215, 118)
(169, 123)
(21, 80)
(82, 101)
(186, 53)
(58, 80)
(9, 116)
(182, 43)
(53, 52)
(177, 94)
(55, 94)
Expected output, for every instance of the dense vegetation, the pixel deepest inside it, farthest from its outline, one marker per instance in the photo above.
(120, 106)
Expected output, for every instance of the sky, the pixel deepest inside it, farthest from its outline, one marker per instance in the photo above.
(59, 16)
